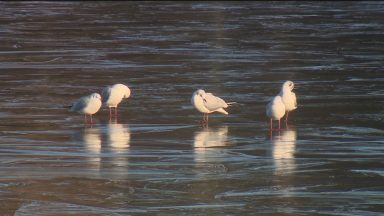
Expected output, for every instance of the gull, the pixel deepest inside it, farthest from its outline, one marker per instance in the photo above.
(275, 109)
(113, 95)
(288, 97)
(87, 105)
(207, 103)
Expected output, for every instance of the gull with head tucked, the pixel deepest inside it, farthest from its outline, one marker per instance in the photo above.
(113, 95)
(87, 105)
(288, 97)
(207, 103)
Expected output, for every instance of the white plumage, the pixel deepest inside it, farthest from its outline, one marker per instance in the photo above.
(208, 103)
(87, 105)
(288, 97)
(113, 95)
(275, 109)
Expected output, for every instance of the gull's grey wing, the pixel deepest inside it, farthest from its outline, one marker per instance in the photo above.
(80, 104)
(212, 102)
(106, 93)
(269, 107)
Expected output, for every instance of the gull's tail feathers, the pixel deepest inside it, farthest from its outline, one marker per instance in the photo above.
(221, 110)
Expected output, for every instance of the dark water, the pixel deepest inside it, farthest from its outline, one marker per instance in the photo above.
(157, 159)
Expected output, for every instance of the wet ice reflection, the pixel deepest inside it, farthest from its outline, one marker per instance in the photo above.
(106, 149)
(211, 137)
(92, 142)
(119, 136)
(208, 143)
(283, 151)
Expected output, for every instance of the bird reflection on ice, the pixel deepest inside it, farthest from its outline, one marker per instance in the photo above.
(119, 136)
(206, 140)
(92, 141)
(207, 137)
(107, 149)
(283, 150)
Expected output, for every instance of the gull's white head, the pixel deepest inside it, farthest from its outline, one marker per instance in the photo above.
(123, 89)
(127, 93)
(288, 85)
(96, 95)
(200, 93)
(198, 99)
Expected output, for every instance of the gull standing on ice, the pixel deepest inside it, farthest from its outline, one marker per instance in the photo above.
(275, 110)
(113, 95)
(208, 103)
(288, 97)
(87, 105)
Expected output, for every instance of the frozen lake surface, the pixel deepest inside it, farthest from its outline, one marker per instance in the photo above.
(156, 159)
